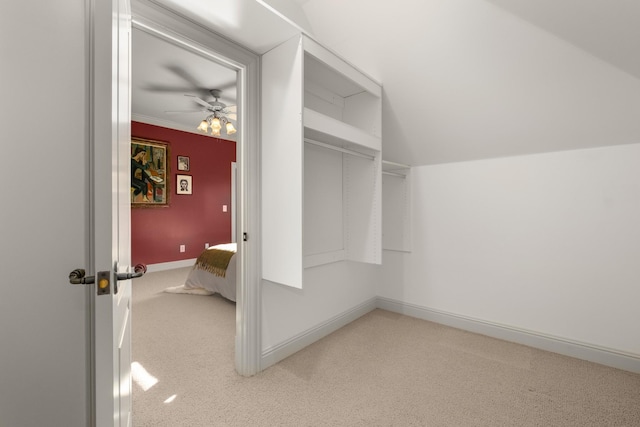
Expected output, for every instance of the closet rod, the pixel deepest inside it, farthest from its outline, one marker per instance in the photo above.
(342, 150)
(399, 165)
(393, 174)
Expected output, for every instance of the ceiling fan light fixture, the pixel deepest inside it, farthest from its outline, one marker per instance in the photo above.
(230, 129)
(202, 127)
(217, 119)
(215, 124)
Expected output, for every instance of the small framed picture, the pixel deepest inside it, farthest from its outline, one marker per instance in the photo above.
(184, 184)
(183, 163)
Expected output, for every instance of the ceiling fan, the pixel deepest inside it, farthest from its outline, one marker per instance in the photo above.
(220, 116)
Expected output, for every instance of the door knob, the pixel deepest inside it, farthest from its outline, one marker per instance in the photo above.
(138, 271)
(77, 277)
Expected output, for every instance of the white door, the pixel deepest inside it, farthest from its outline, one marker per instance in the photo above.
(44, 365)
(111, 211)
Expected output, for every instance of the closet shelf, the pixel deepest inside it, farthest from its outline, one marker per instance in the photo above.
(388, 166)
(326, 129)
(319, 206)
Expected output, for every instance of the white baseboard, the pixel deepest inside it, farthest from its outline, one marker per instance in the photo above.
(580, 350)
(170, 265)
(273, 355)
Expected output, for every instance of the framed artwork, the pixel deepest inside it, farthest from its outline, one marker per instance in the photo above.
(149, 172)
(184, 184)
(183, 163)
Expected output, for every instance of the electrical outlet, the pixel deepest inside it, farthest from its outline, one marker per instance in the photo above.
(224, 208)
(182, 248)
(206, 246)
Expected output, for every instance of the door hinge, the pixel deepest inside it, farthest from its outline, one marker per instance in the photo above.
(245, 237)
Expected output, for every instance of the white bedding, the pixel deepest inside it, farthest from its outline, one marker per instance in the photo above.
(203, 282)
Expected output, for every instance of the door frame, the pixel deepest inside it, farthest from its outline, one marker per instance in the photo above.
(184, 33)
(233, 208)
(108, 54)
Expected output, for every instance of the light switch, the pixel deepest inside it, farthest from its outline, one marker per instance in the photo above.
(224, 208)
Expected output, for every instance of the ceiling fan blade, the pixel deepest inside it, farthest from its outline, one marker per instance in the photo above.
(185, 111)
(168, 89)
(199, 101)
(186, 76)
(232, 116)
(160, 88)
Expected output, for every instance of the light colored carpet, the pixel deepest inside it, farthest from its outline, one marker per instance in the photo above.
(182, 290)
(384, 369)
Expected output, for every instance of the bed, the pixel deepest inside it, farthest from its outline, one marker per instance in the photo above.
(213, 272)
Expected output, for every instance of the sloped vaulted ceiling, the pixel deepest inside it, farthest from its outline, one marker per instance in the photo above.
(606, 29)
(474, 79)
(469, 79)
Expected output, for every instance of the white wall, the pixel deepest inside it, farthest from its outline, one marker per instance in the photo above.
(332, 294)
(548, 243)
(328, 291)
(44, 372)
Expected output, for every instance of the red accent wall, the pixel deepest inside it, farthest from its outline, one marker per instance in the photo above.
(190, 220)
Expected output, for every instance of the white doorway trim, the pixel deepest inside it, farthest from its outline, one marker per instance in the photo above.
(234, 209)
(181, 32)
